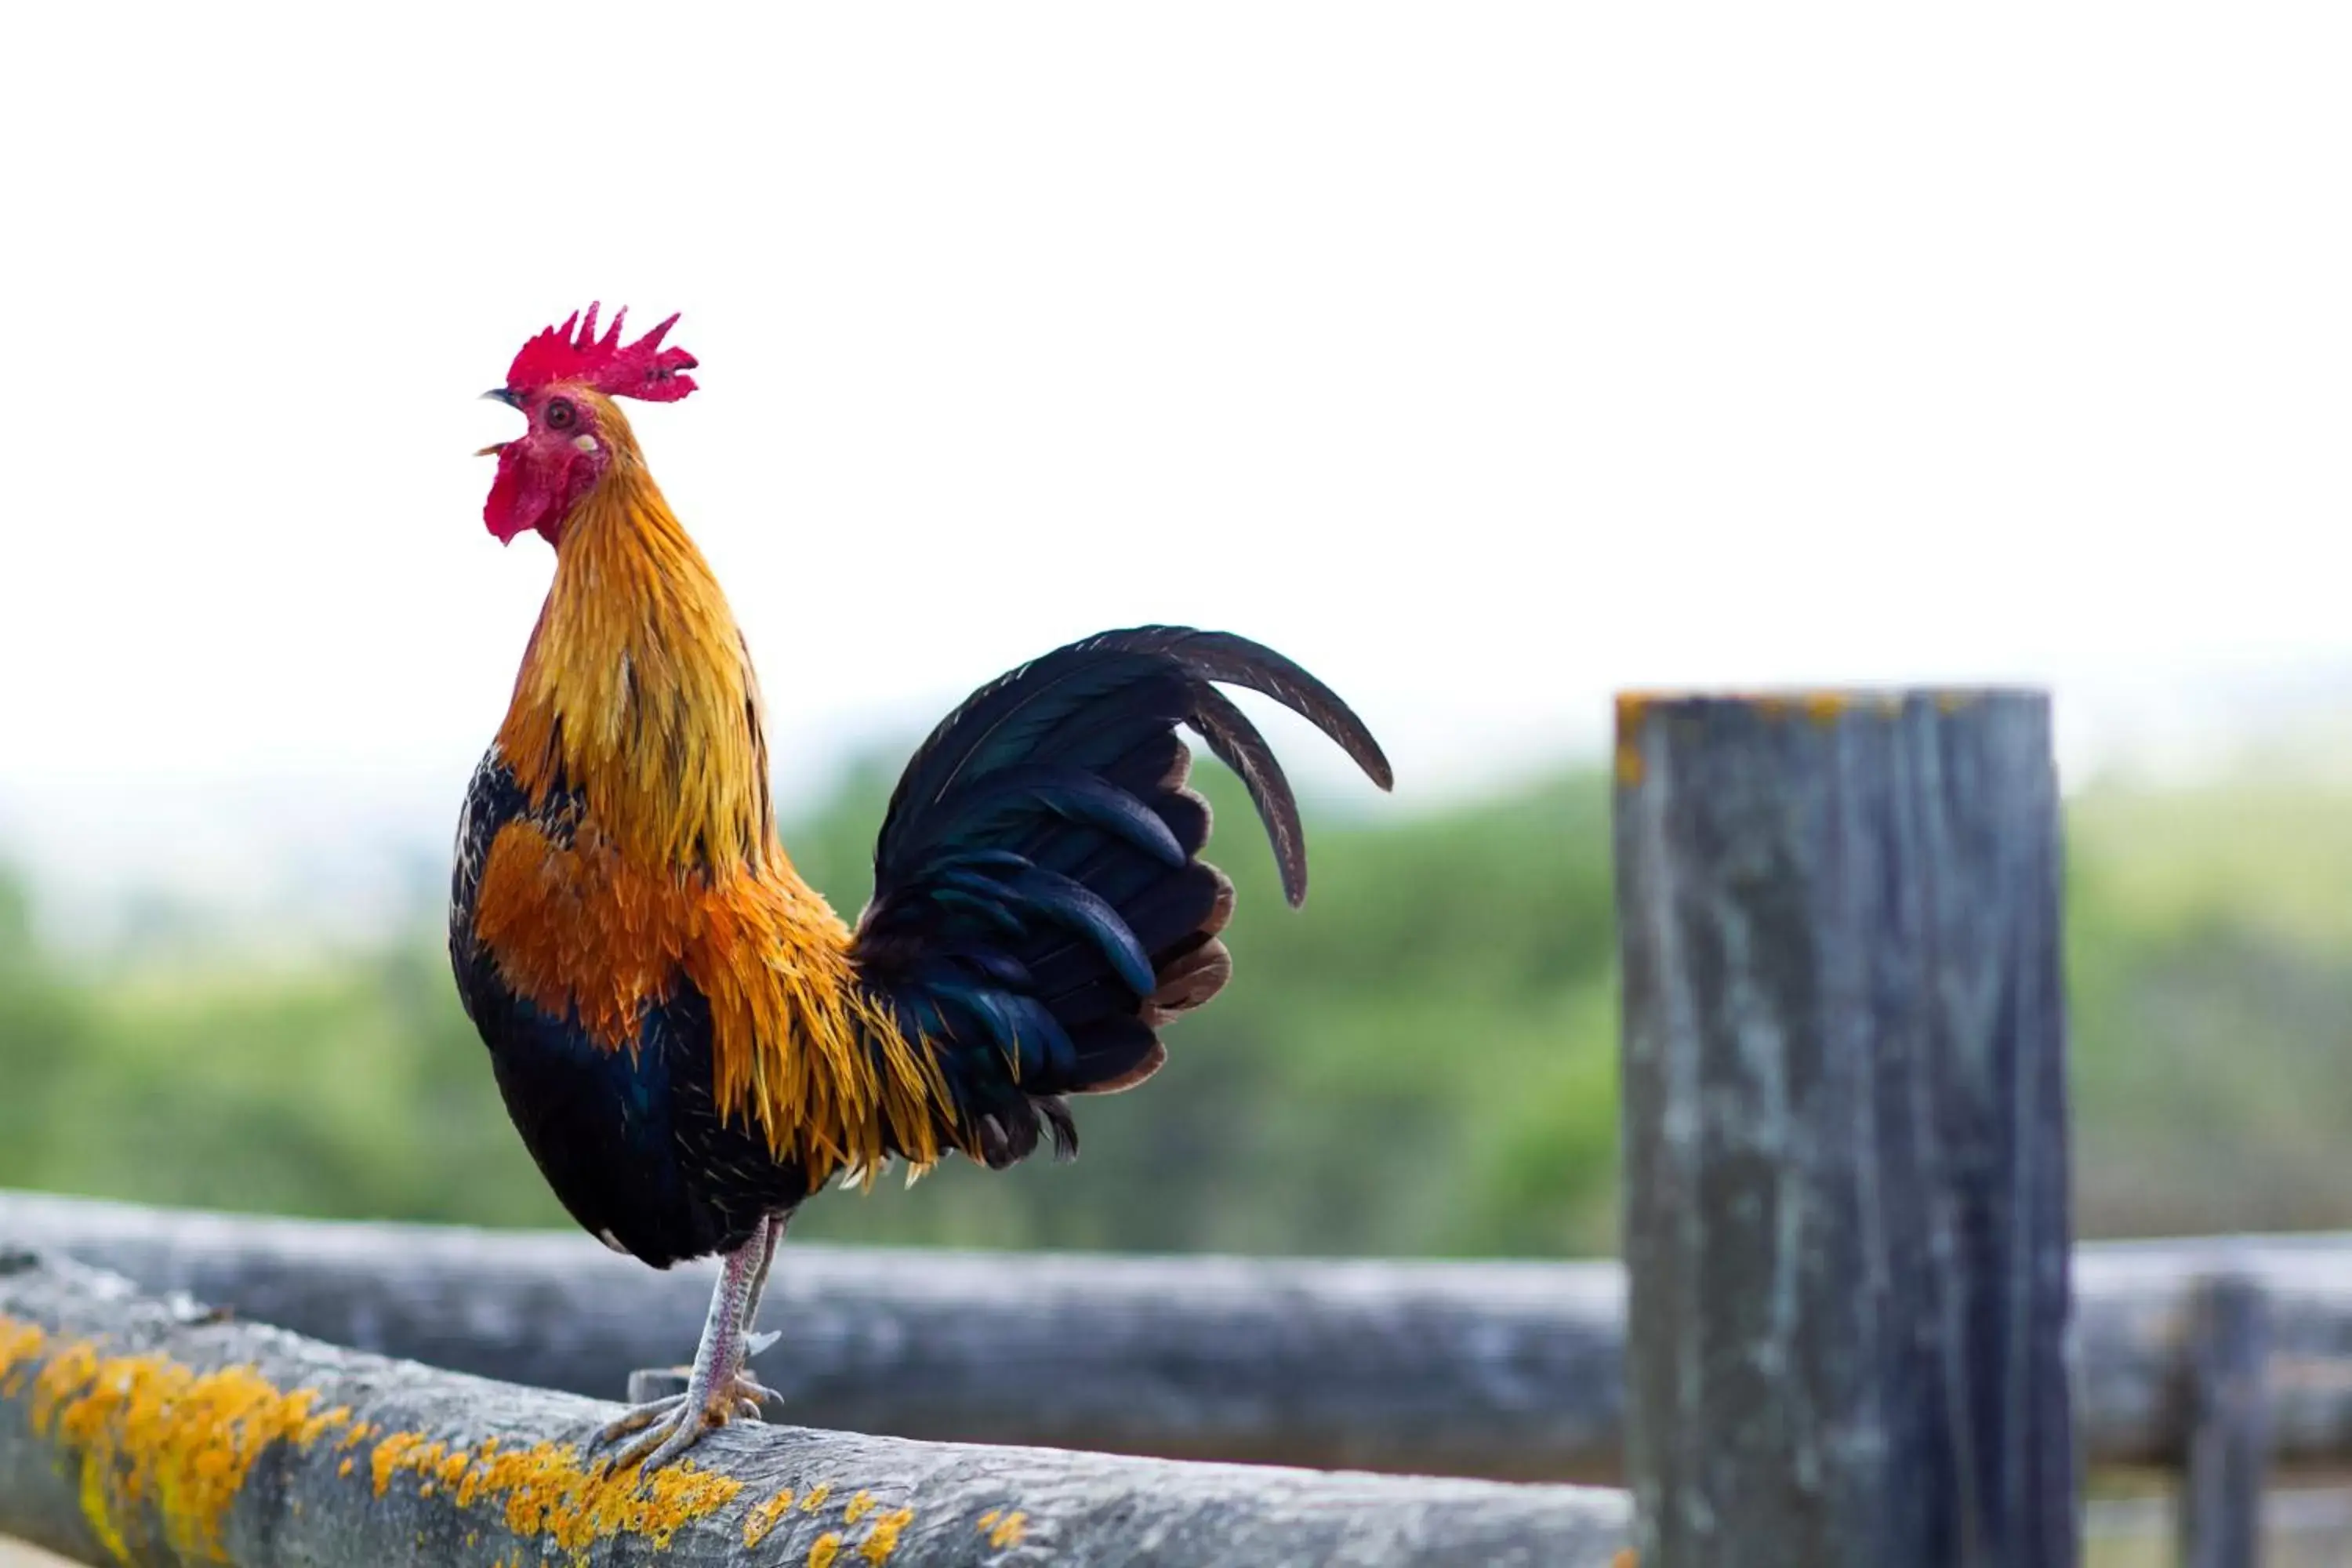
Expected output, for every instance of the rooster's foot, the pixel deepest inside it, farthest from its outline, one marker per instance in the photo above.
(669, 1427)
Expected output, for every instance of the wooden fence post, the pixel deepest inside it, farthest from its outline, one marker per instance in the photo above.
(1845, 1131)
(2229, 1425)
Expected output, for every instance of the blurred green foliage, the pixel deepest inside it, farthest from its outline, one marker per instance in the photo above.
(1422, 1061)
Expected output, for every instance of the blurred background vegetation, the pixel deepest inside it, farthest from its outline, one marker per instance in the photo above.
(1422, 1062)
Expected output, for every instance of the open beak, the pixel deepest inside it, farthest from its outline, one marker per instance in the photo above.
(512, 400)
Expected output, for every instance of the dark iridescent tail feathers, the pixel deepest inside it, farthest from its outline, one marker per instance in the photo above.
(1039, 906)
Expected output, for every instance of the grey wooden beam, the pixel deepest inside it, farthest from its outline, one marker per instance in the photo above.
(154, 1432)
(2229, 1425)
(1845, 1131)
(1504, 1370)
(2138, 1315)
(1510, 1370)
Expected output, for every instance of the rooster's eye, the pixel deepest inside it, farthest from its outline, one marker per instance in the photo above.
(561, 414)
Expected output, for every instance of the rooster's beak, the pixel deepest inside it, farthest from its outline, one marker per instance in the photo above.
(512, 400)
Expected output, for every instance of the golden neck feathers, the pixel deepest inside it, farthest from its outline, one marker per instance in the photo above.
(651, 856)
(637, 691)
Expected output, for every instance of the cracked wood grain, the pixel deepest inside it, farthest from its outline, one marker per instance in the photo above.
(1844, 1098)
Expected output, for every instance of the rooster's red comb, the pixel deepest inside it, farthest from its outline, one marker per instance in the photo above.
(644, 369)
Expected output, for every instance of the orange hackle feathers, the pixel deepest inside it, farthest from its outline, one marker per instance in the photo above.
(637, 694)
(637, 685)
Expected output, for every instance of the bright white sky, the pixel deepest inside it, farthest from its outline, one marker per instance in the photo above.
(1484, 357)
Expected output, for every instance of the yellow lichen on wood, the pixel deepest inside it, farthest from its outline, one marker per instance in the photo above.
(456, 1468)
(20, 1349)
(762, 1520)
(824, 1549)
(878, 1546)
(544, 1490)
(857, 1507)
(1823, 705)
(1009, 1530)
(1826, 708)
(389, 1455)
(475, 1472)
(317, 1426)
(1631, 708)
(817, 1495)
(152, 1433)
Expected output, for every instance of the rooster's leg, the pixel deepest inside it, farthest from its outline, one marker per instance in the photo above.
(772, 1235)
(717, 1388)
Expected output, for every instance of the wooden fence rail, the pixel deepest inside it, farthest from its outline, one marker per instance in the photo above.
(153, 1431)
(1507, 1371)
(1504, 1369)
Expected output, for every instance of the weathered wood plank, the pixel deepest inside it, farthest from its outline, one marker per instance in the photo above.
(1504, 1370)
(2136, 1314)
(1510, 1370)
(2229, 1425)
(145, 1431)
(1844, 1087)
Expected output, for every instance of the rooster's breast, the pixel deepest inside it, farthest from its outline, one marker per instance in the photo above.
(600, 1045)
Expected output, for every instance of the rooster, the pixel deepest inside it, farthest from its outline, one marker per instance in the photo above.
(687, 1038)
